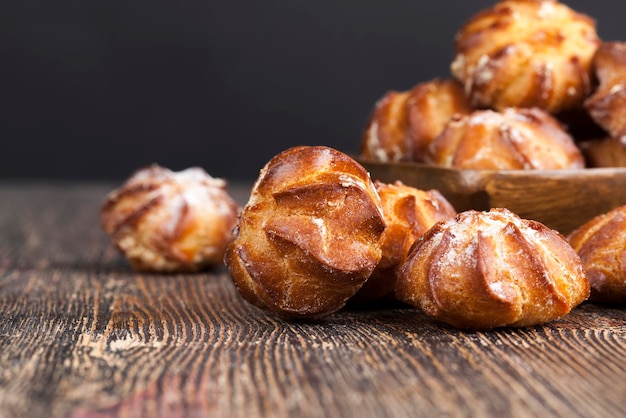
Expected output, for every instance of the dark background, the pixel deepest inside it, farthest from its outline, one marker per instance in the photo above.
(96, 89)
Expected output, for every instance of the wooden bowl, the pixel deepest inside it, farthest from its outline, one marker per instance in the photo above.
(560, 199)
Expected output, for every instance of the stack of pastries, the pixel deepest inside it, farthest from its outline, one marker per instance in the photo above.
(317, 233)
(515, 59)
(532, 87)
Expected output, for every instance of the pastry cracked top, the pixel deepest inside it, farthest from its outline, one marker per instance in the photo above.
(170, 221)
(310, 235)
(526, 53)
(484, 270)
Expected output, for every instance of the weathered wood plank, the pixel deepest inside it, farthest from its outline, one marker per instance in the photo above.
(82, 335)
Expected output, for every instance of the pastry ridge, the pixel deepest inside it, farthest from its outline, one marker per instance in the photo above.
(484, 270)
(526, 53)
(168, 221)
(310, 235)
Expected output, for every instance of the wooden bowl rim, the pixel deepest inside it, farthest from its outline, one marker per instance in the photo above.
(570, 172)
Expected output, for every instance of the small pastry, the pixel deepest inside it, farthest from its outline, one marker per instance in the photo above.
(607, 152)
(168, 221)
(607, 106)
(404, 123)
(430, 106)
(409, 213)
(483, 270)
(511, 139)
(386, 137)
(601, 244)
(310, 235)
(526, 53)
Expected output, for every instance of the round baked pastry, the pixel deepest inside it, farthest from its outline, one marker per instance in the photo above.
(386, 136)
(607, 152)
(310, 235)
(607, 106)
(169, 221)
(526, 53)
(409, 213)
(511, 139)
(483, 270)
(430, 106)
(404, 123)
(601, 244)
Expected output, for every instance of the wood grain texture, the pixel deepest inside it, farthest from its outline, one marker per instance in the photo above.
(81, 335)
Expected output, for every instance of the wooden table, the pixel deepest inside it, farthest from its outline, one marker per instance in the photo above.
(81, 335)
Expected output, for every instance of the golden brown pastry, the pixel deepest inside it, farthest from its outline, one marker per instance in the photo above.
(526, 53)
(601, 244)
(511, 139)
(607, 106)
(484, 270)
(310, 235)
(386, 136)
(430, 106)
(170, 221)
(607, 152)
(409, 213)
(404, 123)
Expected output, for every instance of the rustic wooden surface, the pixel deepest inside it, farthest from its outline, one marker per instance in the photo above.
(81, 335)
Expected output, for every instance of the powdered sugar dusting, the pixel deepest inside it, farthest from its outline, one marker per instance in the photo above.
(373, 143)
(321, 227)
(483, 73)
(547, 79)
(486, 117)
(498, 289)
(458, 65)
(348, 181)
(462, 232)
(198, 175)
(546, 10)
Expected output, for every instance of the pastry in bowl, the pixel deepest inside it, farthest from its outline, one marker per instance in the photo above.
(601, 244)
(386, 136)
(483, 270)
(310, 235)
(409, 213)
(167, 221)
(512, 139)
(606, 152)
(607, 105)
(526, 53)
(404, 123)
(431, 105)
